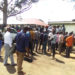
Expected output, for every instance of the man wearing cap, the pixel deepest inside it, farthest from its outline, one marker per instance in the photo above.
(8, 46)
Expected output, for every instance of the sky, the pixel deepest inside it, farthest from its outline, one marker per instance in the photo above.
(49, 10)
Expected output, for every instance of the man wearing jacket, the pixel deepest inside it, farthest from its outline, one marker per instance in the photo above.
(22, 45)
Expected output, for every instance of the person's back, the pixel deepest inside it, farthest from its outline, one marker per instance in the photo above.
(57, 37)
(37, 35)
(0, 43)
(61, 38)
(57, 30)
(69, 41)
(50, 36)
(45, 37)
(21, 41)
(60, 29)
(53, 41)
(8, 38)
(41, 37)
(32, 34)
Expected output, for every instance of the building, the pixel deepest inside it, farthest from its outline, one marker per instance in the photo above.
(69, 25)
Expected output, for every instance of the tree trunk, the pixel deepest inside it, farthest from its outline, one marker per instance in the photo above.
(5, 13)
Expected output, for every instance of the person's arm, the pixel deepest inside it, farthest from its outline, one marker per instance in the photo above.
(27, 46)
(10, 40)
(66, 39)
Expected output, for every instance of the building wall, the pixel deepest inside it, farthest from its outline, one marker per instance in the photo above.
(70, 28)
(70, 25)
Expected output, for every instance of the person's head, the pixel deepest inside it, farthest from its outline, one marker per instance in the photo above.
(37, 29)
(70, 33)
(63, 25)
(57, 33)
(8, 29)
(25, 29)
(61, 32)
(66, 33)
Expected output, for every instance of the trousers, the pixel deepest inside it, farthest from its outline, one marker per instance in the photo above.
(8, 54)
(68, 51)
(20, 57)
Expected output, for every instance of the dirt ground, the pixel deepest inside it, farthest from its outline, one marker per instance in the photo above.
(42, 65)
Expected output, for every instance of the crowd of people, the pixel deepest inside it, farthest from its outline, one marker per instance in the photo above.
(33, 39)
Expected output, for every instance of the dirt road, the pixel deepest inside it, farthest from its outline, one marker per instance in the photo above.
(42, 65)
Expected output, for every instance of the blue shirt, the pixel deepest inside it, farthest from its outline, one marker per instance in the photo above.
(22, 42)
(0, 43)
(28, 33)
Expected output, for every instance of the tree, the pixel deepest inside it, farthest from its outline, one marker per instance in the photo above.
(14, 7)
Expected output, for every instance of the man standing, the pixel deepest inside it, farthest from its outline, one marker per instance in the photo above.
(8, 46)
(0, 42)
(22, 45)
(69, 43)
(37, 38)
(32, 40)
(45, 39)
(60, 43)
(53, 43)
(49, 40)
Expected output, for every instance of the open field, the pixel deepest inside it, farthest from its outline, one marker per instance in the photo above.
(42, 65)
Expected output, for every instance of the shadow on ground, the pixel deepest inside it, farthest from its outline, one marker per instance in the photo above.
(11, 69)
(21, 74)
(1, 60)
(48, 54)
(72, 57)
(60, 61)
(63, 55)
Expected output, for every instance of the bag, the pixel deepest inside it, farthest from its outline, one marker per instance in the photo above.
(28, 59)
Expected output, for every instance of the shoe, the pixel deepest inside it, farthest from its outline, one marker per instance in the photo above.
(0, 56)
(53, 58)
(13, 64)
(21, 72)
(6, 64)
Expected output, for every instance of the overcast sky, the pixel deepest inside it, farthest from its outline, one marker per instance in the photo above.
(50, 10)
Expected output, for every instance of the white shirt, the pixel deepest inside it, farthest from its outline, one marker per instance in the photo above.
(50, 28)
(61, 37)
(57, 30)
(50, 36)
(8, 38)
